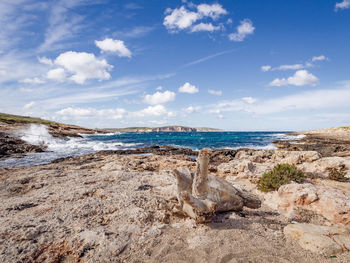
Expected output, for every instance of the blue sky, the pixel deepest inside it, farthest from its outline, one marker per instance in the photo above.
(235, 65)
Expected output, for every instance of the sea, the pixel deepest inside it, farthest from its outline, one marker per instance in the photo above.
(59, 148)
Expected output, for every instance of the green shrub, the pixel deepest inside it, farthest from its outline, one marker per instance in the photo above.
(337, 175)
(281, 174)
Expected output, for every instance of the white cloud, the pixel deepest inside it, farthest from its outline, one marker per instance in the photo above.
(63, 23)
(188, 88)
(266, 68)
(204, 27)
(45, 60)
(160, 97)
(215, 92)
(214, 11)
(319, 58)
(307, 64)
(180, 18)
(92, 113)
(342, 5)
(300, 78)
(309, 100)
(243, 30)
(35, 80)
(290, 67)
(134, 32)
(84, 66)
(326, 99)
(29, 105)
(249, 100)
(57, 74)
(159, 88)
(151, 111)
(114, 45)
(14, 66)
(183, 18)
(192, 109)
(208, 57)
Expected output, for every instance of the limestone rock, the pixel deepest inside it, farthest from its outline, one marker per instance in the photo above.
(296, 157)
(332, 203)
(327, 240)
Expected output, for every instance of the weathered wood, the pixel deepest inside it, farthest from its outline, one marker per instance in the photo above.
(202, 195)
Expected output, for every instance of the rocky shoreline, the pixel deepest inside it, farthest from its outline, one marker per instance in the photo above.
(122, 206)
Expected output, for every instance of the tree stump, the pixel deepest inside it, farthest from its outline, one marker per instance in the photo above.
(201, 195)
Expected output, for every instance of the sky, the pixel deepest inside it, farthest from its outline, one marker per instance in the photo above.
(236, 65)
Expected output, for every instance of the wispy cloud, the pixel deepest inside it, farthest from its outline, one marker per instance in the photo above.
(63, 23)
(134, 32)
(201, 60)
(323, 99)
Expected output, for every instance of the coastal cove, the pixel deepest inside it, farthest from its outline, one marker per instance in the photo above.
(70, 193)
(72, 146)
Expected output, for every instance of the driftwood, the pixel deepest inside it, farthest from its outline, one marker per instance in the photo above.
(201, 195)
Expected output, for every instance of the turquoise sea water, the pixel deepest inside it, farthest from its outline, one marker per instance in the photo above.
(195, 140)
(57, 148)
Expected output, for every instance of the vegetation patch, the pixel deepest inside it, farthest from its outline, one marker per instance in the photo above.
(337, 175)
(281, 174)
(8, 118)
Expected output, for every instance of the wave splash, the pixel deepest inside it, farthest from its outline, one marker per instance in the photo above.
(58, 148)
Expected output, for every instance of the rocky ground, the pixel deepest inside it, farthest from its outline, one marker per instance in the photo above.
(328, 142)
(121, 206)
(108, 207)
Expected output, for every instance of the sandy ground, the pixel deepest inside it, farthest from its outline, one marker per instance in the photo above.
(112, 208)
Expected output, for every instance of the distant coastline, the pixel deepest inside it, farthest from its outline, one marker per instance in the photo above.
(174, 128)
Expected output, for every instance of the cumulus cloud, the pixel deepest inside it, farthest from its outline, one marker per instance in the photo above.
(243, 30)
(342, 5)
(57, 74)
(83, 66)
(92, 113)
(35, 80)
(188, 88)
(115, 46)
(215, 92)
(204, 27)
(151, 111)
(182, 18)
(160, 97)
(214, 11)
(300, 78)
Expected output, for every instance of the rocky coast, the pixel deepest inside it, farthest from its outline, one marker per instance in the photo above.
(122, 206)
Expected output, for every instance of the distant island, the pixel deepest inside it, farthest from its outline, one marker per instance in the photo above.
(163, 129)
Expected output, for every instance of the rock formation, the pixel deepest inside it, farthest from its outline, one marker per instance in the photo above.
(201, 195)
